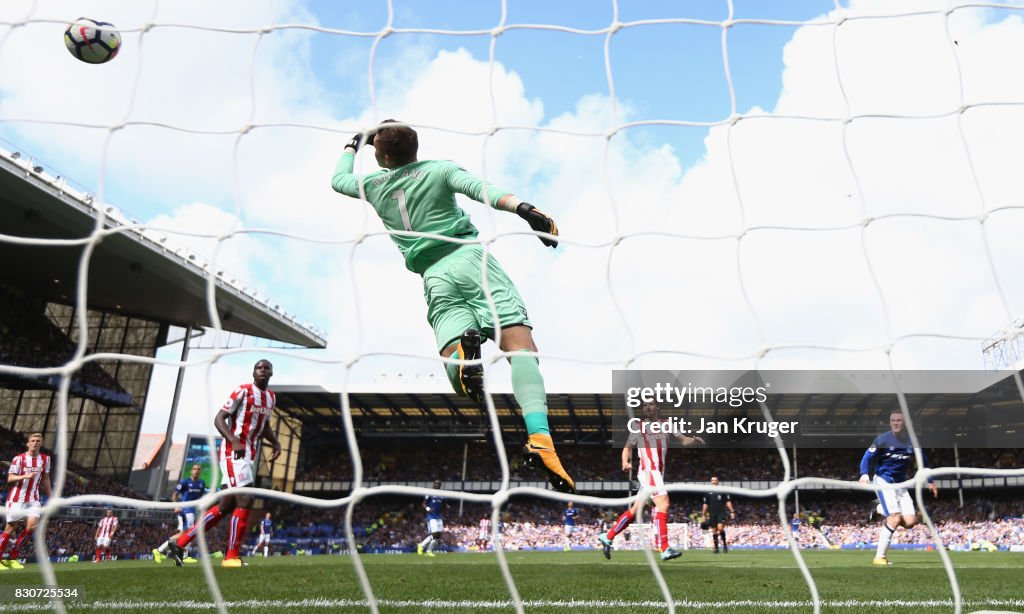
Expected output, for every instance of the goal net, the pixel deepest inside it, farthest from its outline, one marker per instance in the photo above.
(738, 185)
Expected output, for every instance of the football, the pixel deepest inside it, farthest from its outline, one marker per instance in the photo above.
(92, 41)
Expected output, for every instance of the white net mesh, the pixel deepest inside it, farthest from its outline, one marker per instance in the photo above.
(860, 211)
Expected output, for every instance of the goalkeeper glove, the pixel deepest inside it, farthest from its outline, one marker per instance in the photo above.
(360, 139)
(539, 221)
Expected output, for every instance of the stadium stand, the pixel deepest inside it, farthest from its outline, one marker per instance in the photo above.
(829, 519)
(396, 524)
(29, 339)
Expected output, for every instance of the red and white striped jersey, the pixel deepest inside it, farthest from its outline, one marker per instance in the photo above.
(248, 410)
(27, 491)
(107, 526)
(652, 448)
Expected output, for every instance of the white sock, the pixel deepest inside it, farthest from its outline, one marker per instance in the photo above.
(265, 548)
(430, 546)
(163, 547)
(884, 535)
(426, 542)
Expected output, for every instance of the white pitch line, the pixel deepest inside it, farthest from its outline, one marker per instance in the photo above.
(265, 604)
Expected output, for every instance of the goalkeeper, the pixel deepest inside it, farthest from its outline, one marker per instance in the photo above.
(410, 195)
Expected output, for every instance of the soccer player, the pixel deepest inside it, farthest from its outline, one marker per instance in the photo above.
(717, 507)
(435, 526)
(266, 530)
(241, 422)
(606, 521)
(29, 470)
(485, 533)
(105, 530)
(411, 195)
(652, 449)
(892, 454)
(569, 524)
(189, 489)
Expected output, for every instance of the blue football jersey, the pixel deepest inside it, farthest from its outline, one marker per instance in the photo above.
(266, 526)
(569, 516)
(190, 490)
(433, 504)
(892, 456)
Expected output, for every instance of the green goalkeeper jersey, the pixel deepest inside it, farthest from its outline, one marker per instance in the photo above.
(419, 197)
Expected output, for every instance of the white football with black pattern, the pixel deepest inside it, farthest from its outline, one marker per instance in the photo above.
(91, 41)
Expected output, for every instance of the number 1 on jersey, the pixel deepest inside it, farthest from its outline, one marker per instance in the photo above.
(403, 208)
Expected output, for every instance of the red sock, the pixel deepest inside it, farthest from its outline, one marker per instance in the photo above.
(97, 557)
(236, 531)
(22, 537)
(210, 520)
(4, 538)
(662, 519)
(620, 524)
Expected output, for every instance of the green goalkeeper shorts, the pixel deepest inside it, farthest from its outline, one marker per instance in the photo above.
(454, 290)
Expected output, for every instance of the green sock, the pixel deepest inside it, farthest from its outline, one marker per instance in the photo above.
(528, 387)
(452, 370)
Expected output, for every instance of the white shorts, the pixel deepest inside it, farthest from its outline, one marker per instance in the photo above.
(895, 501)
(17, 511)
(434, 525)
(102, 542)
(652, 478)
(484, 535)
(568, 529)
(264, 539)
(239, 472)
(186, 520)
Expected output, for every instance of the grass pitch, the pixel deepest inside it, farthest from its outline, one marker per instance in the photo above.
(742, 581)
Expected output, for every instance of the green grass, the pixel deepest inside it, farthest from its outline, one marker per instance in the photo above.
(405, 582)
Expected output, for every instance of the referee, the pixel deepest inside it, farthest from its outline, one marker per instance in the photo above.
(717, 507)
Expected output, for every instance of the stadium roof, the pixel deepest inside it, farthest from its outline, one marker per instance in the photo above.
(148, 448)
(134, 271)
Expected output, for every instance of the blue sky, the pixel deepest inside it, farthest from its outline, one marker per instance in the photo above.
(659, 70)
(714, 289)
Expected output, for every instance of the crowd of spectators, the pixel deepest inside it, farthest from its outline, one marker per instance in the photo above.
(837, 522)
(826, 522)
(439, 460)
(65, 537)
(538, 525)
(826, 519)
(394, 522)
(29, 339)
